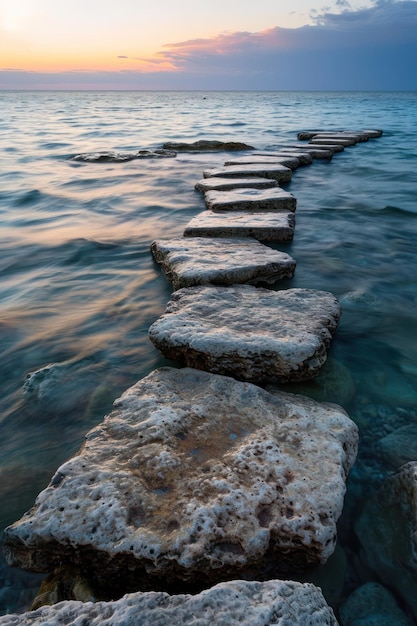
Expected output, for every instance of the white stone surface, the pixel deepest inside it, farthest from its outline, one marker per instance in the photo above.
(194, 477)
(191, 261)
(265, 226)
(225, 184)
(272, 603)
(291, 162)
(250, 199)
(277, 171)
(247, 332)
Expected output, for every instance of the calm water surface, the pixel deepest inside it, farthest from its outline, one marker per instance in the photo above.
(79, 288)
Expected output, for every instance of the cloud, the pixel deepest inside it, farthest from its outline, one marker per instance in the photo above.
(122, 56)
(371, 48)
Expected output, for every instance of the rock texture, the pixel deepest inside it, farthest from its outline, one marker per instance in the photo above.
(250, 199)
(191, 261)
(372, 605)
(193, 477)
(304, 158)
(288, 161)
(264, 226)
(276, 171)
(247, 332)
(207, 146)
(226, 184)
(273, 603)
(387, 531)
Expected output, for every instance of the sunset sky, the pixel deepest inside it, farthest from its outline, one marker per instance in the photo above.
(221, 44)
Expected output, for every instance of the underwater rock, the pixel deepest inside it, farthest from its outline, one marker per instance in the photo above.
(251, 200)
(249, 333)
(272, 603)
(227, 184)
(119, 157)
(276, 171)
(400, 446)
(195, 478)
(191, 261)
(387, 533)
(207, 146)
(275, 225)
(372, 605)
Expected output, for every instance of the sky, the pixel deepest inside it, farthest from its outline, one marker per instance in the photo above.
(216, 44)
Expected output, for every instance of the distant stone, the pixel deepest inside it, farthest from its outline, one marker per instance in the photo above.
(373, 134)
(193, 478)
(227, 184)
(387, 533)
(291, 162)
(372, 605)
(277, 171)
(207, 146)
(304, 158)
(355, 137)
(247, 332)
(264, 226)
(191, 261)
(368, 134)
(251, 199)
(333, 139)
(227, 604)
(337, 145)
(118, 157)
(317, 152)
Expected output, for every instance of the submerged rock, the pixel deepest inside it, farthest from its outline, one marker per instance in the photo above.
(271, 603)
(191, 261)
(387, 531)
(207, 146)
(119, 157)
(372, 605)
(250, 333)
(193, 477)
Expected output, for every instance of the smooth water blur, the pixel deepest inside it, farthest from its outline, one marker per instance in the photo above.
(79, 288)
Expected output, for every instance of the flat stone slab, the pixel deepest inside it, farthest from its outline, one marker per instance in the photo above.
(264, 226)
(207, 145)
(250, 199)
(291, 162)
(191, 261)
(317, 152)
(193, 477)
(337, 145)
(226, 604)
(304, 158)
(276, 171)
(365, 134)
(250, 333)
(226, 184)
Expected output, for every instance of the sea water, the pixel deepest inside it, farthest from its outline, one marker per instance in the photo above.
(79, 288)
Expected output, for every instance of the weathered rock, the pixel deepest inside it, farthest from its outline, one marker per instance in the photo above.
(227, 184)
(264, 226)
(368, 134)
(193, 477)
(372, 605)
(355, 137)
(250, 199)
(247, 332)
(400, 446)
(207, 146)
(191, 261)
(317, 152)
(272, 603)
(387, 531)
(337, 145)
(277, 171)
(288, 161)
(304, 158)
(333, 140)
(65, 583)
(118, 157)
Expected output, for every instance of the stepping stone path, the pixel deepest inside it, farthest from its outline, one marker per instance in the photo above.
(193, 477)
(196, 477)
(200, 261)
(247, 332)
(238, 602)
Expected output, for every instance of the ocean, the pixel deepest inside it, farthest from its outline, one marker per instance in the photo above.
(79, 288)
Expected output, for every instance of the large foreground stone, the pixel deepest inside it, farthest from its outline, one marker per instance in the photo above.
(225, 184)
(387, 531)
(247, 332)
(193, 477)
(193, 261)
(272, 603)
(264, 226)
(276, 171)
(250, 199)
